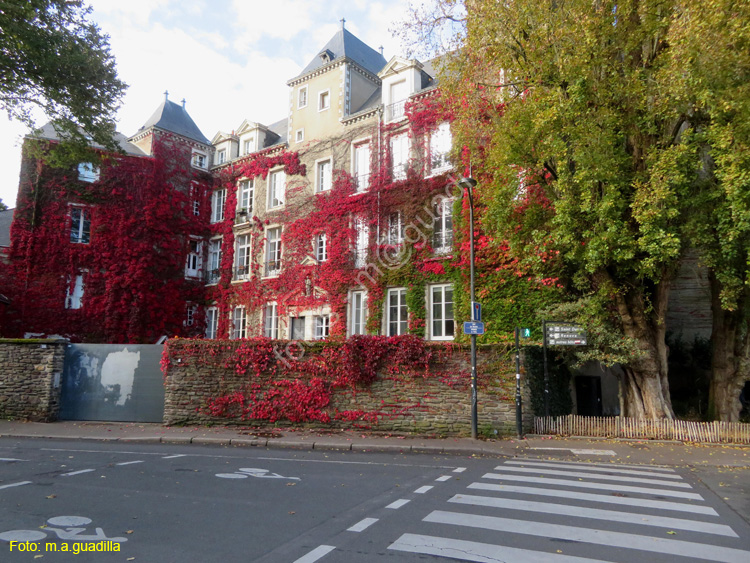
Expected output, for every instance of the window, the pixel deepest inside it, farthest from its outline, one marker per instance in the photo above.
(322, 326)
(323, 177)
(87, 172)
(302, 97)
(397, 319)
(194, 259)
(442, 234)
(190, 311)
(441, 304)
(80, 225)
(299, 136)
(395, 229)
(196, 207)
(212, 319)
(276, 189)
(324, 100)
(247, 145)
(297, 328)
(245, 199)
(74, 293)
(270, 321)
(362, 233)
(321, 247)
(361, 163)
(440, 148)
(218, 198)
(399, 156)
(273, 251)
(221, 157)
(214, 261)
(239, 323)
(357, 312)
(242, 258)
(199, 160)
(397, 106)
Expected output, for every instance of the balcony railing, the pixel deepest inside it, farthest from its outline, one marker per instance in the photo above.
(395, 111)
(212, 276)
(273, 268)
(361, 182)
(241, 272)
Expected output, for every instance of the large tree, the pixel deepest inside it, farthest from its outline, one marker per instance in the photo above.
(54, 59)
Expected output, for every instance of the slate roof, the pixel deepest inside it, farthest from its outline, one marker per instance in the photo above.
(48, 131)
(344, 44)
(6, 218)
(279, 128)
(173, 117)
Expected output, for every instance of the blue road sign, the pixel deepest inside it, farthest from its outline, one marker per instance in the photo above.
(473, 327)
(476, 311)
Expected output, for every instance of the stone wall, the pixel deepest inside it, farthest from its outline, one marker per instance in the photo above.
(433, 401)
(30, 373)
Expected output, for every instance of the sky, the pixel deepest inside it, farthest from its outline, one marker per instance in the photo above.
(229, 60)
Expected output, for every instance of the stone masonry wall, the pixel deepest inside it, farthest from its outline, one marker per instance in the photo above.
(30, 374)
(436, 401)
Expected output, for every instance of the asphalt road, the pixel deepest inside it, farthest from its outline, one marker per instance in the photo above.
(171, 503)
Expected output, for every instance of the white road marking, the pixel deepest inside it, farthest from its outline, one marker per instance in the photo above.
(602, 464)
(129, 462)
(423, 490)
(619, 478)
(8, 486)
(627, 501)
(76, 472)
(443, 478)
(11, 459)
(593, 452)
(315, 554)
(459, 470)
(597, 537)
(597, 468)
(479, 552)
(597, 513)
(362, 525)
(174, 456)
(398, 503)
(589, 485)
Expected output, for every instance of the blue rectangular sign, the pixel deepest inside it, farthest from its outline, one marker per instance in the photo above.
(476, 311)
(473, 328)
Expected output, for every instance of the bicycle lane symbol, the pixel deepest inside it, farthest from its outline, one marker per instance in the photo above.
(65, 528)
(246, 472)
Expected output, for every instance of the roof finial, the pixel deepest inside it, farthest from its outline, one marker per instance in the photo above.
(166, 95)
(343, 21)
(381, 50)
(183, 103)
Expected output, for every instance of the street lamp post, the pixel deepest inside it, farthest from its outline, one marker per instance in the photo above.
(469, 184)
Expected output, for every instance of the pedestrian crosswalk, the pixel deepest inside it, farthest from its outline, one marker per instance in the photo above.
(567, 512)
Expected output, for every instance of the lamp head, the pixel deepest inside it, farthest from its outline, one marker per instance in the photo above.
(467, 183)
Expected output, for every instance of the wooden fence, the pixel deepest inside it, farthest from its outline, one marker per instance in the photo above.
(621, 427)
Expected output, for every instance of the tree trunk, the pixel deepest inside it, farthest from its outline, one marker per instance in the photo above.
(729, 357)
(644, 384)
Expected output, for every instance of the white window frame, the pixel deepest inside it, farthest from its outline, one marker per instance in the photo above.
(190, 310)
(442, 227)
(441, 315)
(322, 327)
(272, 261)
(293, 324)
(357, 312)
(399, 325)
(212, 322)
(324, 95)
(87, 172)
(299, 136)
(198, 160)
(213, 270)
(361, 241)
(271, 320)
(321, 247)
(302, 97)
(194, 262)
(242, 256)
(218, 202)
(361, 166)
(400, 146)
(239, 322)
(276, 189)
(245, 197)
(323, 175)
(248, 146)
(440, 142)
(74, 295)
(395, 234)
(221, 156)
(80, 224)
(396, 109)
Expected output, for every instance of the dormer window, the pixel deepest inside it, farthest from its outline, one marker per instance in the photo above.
(221, 157)
(326, 56)
(247, 145)
(324, 100)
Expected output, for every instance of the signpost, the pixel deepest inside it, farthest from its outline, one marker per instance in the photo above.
(558, 333)
(473, 328)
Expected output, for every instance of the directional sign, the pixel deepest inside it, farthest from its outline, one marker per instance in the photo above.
(565, 334)
(476, 311)
(474, 328)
